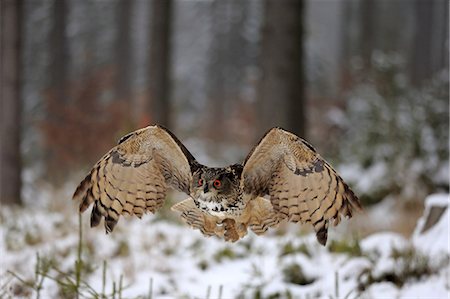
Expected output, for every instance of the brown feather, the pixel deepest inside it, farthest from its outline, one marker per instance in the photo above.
(133, 177)
(302, 186)
(195, 218)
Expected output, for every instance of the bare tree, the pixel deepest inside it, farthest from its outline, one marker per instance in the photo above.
(123, 49)
(429, 54)
(228, 56)
(159, 61)
(10, 120)
(59, 52)
(282, 92)
(367, 31)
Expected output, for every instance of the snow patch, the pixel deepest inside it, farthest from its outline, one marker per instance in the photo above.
(435, 240)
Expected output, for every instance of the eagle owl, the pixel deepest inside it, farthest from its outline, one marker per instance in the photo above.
(282, 178)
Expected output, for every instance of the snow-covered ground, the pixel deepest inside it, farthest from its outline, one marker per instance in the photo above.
(157, 258)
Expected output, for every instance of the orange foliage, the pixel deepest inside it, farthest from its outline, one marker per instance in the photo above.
(80, 129)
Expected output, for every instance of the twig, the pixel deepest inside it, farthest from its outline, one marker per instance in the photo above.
(150, 289)
(3, 287)
(40, 282)
(36, 275)
(104, 279)
(78, 262)
(120, 286)
(336, 284)
(27, 283)
(114, 290)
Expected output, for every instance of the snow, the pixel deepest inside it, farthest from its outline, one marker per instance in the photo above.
(382, 244)
(384, 290)
(434, 287)
(366, 180)
(441, 200)
(380, 247)
(176, 261)
(434, 241)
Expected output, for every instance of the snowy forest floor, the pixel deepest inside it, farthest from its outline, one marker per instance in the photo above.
(157, 257)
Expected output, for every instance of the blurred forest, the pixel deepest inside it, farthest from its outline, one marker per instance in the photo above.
(365, 81)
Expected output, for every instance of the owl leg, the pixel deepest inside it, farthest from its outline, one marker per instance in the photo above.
(231, 232)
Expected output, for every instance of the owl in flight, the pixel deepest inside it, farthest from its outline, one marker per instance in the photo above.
(282, 178)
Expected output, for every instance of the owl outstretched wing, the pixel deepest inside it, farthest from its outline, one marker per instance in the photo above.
(133, 177)
(302, 186)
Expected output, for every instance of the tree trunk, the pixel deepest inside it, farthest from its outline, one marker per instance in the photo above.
(10, 120)
(346, 50)
(123, 49)
(367, 32)
(282, 92)
(226, 62)
(159, 62)
(421, 60)
(429, 54)
(59, 57)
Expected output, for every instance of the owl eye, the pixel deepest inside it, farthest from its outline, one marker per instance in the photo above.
(200, 182)
(217, 184)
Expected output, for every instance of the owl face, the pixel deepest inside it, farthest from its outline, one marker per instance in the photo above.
(215, 190)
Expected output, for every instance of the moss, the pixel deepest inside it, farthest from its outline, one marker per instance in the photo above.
(122, 249)
(289, 248)
(203, 265)
(294, 274)
(343, 246)
(169, 250)
(196, 246)
(409, 265)
(32, 239)
(224, 253)
(280, 295)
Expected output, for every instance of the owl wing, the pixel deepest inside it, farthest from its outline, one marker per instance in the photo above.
(302, 186)
(133, 177)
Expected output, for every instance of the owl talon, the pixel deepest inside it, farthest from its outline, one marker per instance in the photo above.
(231, 234)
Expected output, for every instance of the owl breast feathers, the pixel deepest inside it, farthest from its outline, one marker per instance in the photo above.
(283, 178)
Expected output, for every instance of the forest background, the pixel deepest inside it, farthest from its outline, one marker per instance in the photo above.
(365, 81)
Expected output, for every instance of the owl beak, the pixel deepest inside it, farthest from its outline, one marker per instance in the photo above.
(205, 189)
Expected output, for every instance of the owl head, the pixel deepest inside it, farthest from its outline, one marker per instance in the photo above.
(216, 188)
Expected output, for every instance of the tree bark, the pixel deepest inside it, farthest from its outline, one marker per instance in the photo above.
(226, 64)
(10, 120)
(123, 49)
(421, 59)
(367, 32)
(59, 57)
(159, 62)
(282, 90)
(429, 54)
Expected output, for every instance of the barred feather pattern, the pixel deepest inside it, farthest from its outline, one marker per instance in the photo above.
(133, 177)
(302, 186)
(258, 215)
(316, 198)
